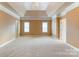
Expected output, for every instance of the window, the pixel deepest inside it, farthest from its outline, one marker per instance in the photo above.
(26, 26)
(44, 26)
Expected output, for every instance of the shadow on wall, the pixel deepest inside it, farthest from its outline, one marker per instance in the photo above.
(73, 27)
(7, 27)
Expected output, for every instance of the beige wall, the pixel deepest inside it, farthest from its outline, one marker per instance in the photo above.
(7, 27)
(54, 27)
(63, 29)
(36, 27)
(73, 27)
(58, 27)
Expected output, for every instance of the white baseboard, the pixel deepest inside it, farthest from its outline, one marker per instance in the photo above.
(2, 45)
(73, 47)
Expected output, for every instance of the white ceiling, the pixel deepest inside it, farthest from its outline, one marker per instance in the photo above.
(36, 5)
(50, 7)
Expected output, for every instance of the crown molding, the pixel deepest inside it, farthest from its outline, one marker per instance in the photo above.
(6, 10)
(69, 8)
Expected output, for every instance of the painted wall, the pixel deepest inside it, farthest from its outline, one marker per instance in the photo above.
(54, 27)
(63, 29)
(73, 27)
(7, 27)
(35, 27)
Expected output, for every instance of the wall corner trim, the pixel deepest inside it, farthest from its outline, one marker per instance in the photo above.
(4, 44)
(73, 46)
(69, 8)
(4, 9)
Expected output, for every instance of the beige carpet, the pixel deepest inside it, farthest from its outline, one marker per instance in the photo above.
(37, 47)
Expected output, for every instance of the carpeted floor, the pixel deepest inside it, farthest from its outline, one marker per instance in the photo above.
(37, 47)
